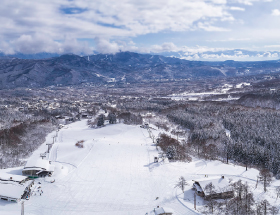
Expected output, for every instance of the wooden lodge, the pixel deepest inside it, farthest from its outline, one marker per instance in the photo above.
(221, 188)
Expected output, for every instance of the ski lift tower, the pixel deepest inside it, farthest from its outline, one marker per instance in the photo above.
(49, 146)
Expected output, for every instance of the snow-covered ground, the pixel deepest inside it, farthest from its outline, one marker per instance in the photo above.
(114, 174)
(193, 96)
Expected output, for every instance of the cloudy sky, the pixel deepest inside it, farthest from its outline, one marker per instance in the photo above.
(190, 29)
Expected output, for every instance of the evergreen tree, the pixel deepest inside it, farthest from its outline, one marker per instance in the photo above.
(100, 120)
(112, 118)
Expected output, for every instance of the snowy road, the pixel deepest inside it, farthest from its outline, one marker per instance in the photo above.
(114, 176)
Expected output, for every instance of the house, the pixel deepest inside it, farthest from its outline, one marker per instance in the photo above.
(37, 167)
(162, 211)
(14, 187)
(221, 188)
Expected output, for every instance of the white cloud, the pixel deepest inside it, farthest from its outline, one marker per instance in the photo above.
(6, 48)
(60, 25)
(238, 52)
(267, 55)
(106, 18)
(209, 27)
(239, 56)
(216, 56)
(248, 2)
(165, 47)
(34, 44)
(58, 19)
(272, 46)
(31, 44)
(230, 40)
(237, 8)
(105, 46)
(71, 45)
(275, 12)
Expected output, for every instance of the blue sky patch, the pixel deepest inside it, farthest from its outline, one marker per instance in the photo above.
(72, 10)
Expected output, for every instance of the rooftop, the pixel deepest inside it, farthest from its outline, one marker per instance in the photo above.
(11, 190)
(220, 184)
(37, 163)
(9, 177)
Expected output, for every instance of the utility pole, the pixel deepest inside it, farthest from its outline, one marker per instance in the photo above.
(22, 208)
(194, 200)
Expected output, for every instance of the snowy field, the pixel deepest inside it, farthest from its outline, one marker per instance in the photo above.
(192, 96)
(114, 174)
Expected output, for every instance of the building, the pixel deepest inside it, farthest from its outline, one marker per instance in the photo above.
(14, 187)
(162, 211)
(221, 188)
(5, 177)
(37, 167)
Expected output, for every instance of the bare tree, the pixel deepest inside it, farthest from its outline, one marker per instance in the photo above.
(209, 192)
(244, 200)
(273, 210)
(182, 183)
(265, 176)
(263, 207)
(277, 191)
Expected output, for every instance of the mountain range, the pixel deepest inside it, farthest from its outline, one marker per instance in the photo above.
(120, 68)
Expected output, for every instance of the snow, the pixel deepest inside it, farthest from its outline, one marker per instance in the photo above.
(228, 133)
(161, 210)
(11, 190)
(114, 174)
(10, 177)
(220, 184)
(37, 163)
(242, 85)
(200, 96)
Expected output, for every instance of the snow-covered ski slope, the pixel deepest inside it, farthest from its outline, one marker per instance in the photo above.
(114, 174)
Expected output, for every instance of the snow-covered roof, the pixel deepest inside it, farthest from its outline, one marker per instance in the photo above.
(221, 184)
(162, 210)
(37, 163)
(9, 177)
(11, 190)
(197, 187)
